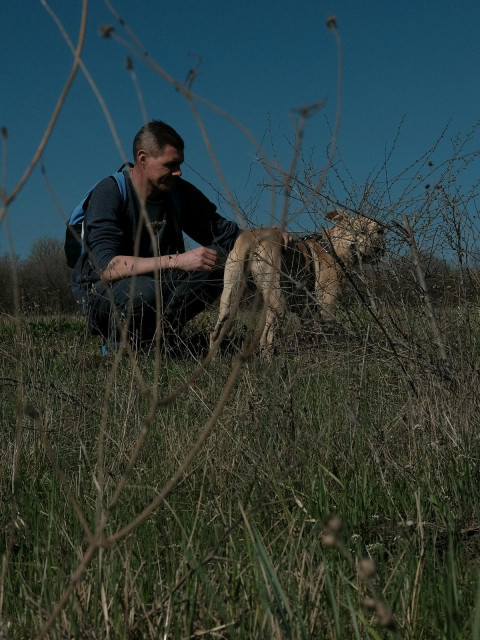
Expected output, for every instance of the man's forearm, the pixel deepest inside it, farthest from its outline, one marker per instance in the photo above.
(128, 266)
(199, 259)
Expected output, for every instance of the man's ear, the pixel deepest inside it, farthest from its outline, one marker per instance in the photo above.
(141, 156)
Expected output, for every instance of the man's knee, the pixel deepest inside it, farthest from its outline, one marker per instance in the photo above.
(133, 298)
(136, 294)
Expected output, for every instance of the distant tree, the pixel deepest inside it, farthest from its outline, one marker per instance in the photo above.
(9, 265)
(45, 279)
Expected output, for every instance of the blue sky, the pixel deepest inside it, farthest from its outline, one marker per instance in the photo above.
(410, 62)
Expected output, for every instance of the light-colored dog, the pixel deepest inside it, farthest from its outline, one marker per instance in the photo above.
(308, 269)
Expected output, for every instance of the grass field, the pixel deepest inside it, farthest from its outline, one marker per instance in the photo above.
(336, 495)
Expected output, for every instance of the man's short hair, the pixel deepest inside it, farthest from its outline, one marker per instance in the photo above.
(154, 137)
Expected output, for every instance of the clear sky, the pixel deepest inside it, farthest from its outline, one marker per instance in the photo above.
(411, 61)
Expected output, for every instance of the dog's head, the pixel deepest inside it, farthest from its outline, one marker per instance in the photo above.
(355, 237)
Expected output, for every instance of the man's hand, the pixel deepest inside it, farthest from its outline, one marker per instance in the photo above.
(200, 259)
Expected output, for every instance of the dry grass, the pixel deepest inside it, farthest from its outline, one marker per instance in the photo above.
(241, 547)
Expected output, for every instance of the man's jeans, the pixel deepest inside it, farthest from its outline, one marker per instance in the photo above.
(147, 304)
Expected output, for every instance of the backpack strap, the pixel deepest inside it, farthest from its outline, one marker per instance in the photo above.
(122, 183)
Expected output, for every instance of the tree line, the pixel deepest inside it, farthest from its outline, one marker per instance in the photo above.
(40, 284)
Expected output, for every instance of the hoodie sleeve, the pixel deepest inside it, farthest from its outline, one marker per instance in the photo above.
(105, 234)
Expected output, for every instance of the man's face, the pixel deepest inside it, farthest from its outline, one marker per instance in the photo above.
(161, 172)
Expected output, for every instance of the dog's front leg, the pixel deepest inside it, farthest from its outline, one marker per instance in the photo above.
(269, 282)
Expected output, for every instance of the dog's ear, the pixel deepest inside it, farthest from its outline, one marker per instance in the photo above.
(336, 215)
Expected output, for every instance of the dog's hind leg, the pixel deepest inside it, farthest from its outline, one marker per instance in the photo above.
(266, 266)
(275, 315)
(234, 281)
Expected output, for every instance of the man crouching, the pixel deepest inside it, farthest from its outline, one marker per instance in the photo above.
(135, 277)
